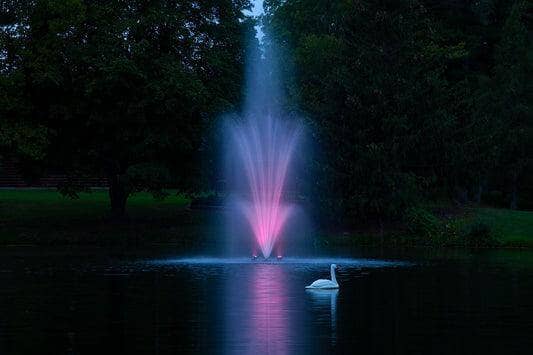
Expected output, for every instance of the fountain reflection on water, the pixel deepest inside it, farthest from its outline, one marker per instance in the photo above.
(263, 304)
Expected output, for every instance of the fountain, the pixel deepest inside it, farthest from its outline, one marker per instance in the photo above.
(263, 142)
(265, 145)
(264, 154)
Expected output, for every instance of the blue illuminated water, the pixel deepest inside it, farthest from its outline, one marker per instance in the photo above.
(152, 302)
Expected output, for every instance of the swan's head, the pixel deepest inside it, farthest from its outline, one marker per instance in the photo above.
(333, 266)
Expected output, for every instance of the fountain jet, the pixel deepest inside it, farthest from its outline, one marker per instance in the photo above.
(262, 142)
(265, 146)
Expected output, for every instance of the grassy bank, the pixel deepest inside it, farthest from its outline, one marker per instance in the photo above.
(45, 217)
(510, 228)
(478, 227)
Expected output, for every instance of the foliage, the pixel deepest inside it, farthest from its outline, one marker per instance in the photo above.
(511, 98)
(120, 89)
(407, 99)
(452, 231)
(478, 234)
(421, 222)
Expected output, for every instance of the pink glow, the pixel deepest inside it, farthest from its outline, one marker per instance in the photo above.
(270, 326)
(266, 148)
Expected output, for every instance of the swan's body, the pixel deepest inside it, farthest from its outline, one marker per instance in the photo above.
(324, 284)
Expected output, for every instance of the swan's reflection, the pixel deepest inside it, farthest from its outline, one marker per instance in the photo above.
(324, 300)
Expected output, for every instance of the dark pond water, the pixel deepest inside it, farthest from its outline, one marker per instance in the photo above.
(90, 302)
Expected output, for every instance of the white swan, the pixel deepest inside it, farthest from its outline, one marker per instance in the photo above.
(326, 284)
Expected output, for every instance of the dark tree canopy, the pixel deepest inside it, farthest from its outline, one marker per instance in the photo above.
(124, 89)
(409, 99)
(406, 100)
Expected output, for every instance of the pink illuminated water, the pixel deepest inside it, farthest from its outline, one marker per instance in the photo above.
(266, 146)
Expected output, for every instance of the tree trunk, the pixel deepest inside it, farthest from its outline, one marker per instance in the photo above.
(461, 195)
(381, 230)
(479, 192)
(118, 196)
(514, 193)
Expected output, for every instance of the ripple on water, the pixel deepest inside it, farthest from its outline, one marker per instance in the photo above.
(288, 261)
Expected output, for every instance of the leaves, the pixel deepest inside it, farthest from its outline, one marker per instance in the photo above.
(398, 94)
(119, 87)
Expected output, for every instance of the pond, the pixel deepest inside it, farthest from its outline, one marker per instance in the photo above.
(153, 302)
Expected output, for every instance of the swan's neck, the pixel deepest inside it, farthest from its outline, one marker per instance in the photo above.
(333, 278)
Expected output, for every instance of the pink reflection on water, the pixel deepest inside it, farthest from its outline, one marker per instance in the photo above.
(266, 147)
(269, 320)
(257, 314)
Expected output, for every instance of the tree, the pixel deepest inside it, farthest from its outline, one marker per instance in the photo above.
(511, 97)
(126, 89)
(370, 78)
(398, 97)
(20, 133)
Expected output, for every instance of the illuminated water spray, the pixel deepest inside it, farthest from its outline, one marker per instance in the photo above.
(263, 141)
(265, 145)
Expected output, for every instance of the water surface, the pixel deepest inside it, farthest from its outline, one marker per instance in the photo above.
(154, 302)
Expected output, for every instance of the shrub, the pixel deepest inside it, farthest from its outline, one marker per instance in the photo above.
(422, 223)
(478, 234)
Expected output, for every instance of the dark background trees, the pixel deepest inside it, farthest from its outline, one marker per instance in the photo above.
(406, 100)
(123, 89)
(410, 100)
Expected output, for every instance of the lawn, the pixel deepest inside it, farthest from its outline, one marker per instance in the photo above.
(44, 216)
(504, 229)
(46, 205)
(511, 228)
